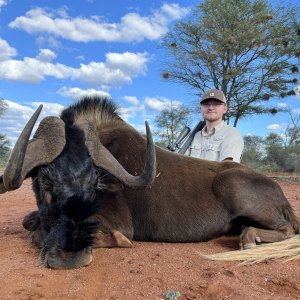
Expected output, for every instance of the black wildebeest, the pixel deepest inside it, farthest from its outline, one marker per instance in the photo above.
(96, 185)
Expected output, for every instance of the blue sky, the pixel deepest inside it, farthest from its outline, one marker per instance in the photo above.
(54, 52)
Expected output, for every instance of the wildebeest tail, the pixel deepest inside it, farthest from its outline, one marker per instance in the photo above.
(285, 250)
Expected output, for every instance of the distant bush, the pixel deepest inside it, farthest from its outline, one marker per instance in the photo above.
(4, 150)
(271, 154)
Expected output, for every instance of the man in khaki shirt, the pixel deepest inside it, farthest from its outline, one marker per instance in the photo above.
(217, 140)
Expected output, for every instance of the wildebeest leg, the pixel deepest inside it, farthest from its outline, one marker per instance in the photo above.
(109, 240)
(259, 200)
(32, 221)
(251, 235)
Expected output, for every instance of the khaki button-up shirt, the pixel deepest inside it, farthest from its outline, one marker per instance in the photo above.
(225, 141)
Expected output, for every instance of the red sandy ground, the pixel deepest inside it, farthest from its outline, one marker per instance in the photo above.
(147, 271)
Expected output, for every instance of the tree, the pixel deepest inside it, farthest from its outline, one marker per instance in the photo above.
(292, 132)
(281, 157)
(246, 48)
(4, 149)
(253, 151)
(170, 122)
(274, 151)
(3, 106)
(4, 142)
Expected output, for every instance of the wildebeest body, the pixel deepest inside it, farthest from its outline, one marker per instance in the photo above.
(85, 200)
(191, 200)
(178, 208)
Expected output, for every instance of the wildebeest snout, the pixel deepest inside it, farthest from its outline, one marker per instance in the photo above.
(57, 258)
(57, 246)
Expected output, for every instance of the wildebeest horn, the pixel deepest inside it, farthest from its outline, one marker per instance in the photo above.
(47, 143)
(104, 159)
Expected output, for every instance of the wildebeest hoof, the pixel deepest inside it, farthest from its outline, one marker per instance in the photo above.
(121, 240)
(109, 240)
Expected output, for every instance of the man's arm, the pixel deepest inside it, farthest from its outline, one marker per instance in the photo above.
(232, 147)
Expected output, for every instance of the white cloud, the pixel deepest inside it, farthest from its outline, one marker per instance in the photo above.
(174, 11)
(32, 70)
(274, 127)
(127, 61)
(2, 3)
(131, 99)
(52, 109)
(6, 51)
(282, 105)
(17, 115)
(297, 90)
(80, 58)
(140, 128)
(48, 41)
(130, 112)
(161, 103)
(46, 55)
(296, 111)
(131, 28)
(118, 69)
(77, 93)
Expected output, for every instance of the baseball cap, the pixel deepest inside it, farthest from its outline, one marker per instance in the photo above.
(214, 94)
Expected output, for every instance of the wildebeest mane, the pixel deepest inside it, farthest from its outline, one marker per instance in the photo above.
(97, 110)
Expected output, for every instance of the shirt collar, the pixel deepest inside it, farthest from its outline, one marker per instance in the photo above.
(215, 129)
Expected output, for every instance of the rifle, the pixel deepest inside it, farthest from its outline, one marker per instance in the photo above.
(186, 131)
(190, 138)
(175, 147)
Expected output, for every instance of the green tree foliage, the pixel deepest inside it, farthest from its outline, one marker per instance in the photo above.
(281, 157)
(247, 48)
(253, 151)
(2, 106)
(271, 154)
(4, 150)
(274, 151)
(4, 142)
(169, 123)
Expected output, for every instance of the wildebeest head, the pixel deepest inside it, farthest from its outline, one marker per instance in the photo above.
(67, 163)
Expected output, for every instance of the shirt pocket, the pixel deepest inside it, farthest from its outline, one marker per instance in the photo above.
(213, 146)
(195, 151)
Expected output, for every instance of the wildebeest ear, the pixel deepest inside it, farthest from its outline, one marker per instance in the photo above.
(47, 143)
(108, 182)
(114, 186)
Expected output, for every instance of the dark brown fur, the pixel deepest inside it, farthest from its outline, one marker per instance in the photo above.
(195, 200)
(190, 200)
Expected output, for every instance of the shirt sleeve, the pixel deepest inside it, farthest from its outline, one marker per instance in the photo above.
(232, 146)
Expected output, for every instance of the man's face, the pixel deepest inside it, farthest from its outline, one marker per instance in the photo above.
(213, 110)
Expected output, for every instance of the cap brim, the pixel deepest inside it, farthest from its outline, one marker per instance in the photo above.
(207, 99)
